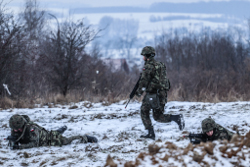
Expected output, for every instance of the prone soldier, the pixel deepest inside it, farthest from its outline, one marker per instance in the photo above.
(210, 131)
(27, 134)
(214, 131)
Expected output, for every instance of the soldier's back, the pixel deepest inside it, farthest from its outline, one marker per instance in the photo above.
(222, 133)
(37, 134)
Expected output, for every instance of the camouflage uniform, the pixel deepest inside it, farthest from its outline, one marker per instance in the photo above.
(148, 83)
(34, 135)
(154, 80)
(219, 132)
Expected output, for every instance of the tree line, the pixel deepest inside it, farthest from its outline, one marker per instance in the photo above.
(38, 61)
(206, 66)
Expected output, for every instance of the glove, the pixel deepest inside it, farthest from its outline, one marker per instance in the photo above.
(137, 94)
(15, 147)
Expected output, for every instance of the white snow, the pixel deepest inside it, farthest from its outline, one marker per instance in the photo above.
(150, 29)
(117, 129)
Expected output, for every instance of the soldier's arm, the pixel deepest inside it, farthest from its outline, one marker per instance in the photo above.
(34, 138)
(227, 135)
(147, 73)
(223, 135)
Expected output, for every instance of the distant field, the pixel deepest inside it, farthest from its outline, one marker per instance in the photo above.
(148, 29)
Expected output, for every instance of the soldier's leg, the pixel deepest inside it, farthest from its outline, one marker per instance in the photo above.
(66, 140)
(145, 109)
(165, 118)
(160, 117)
(58, 140)
(158, 114)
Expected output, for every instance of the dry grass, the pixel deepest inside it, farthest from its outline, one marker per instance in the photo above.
(24, 164)
(234, 151)
(24, 103)
(176, 94)
(52, 99)
(73, 107)
(6, 103)
(180, 92)
(42, 163)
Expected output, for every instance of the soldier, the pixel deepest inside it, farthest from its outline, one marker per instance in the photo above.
(155, 83)
(214, 131)
(28, 134)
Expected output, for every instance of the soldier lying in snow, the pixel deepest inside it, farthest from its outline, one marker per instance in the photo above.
(27, 134)
(211, 131)
(214, 131)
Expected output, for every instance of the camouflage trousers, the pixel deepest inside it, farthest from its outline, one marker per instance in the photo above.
(56, 139)
(157, 113)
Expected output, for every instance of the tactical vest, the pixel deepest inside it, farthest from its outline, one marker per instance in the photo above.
(160, 80)
(228, 133)
(22, 138)
(221, 133)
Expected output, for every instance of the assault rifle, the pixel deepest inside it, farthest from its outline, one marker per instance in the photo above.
(197, 138)
(12, 141)
(132, 94)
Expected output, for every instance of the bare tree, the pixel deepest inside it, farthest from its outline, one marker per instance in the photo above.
(34, 21)
(204, 64)
(64, 54)
(11, 44)
(33, 18)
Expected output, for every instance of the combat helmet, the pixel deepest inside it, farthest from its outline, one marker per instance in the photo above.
(148, 51)
(17, 121)
(207, 125)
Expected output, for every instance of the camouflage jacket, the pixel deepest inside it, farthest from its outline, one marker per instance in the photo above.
(220, 133)
(34, 136)
(151, 75)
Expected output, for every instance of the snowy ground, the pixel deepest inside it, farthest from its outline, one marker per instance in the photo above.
(118, 130)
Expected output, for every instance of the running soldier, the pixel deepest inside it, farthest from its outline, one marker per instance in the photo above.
(155, 83)
(27, 134)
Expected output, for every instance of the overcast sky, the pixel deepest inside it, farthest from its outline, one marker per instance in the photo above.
(97, 3)
(62, 6)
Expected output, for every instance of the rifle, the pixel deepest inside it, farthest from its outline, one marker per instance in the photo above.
(12, 141)
(132, 94)
(197, 138)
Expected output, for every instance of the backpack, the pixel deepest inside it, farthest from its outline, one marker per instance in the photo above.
(161, 76)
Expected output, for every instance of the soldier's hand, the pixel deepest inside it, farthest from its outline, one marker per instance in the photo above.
(15, 147)
(137, 94)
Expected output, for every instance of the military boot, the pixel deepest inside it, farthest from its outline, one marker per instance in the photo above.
(150, 135)
(92, 139)
(179, 120)
(62, 129)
